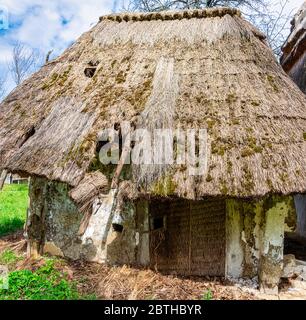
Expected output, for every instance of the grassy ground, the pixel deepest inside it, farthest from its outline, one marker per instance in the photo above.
(13, 208)
(43, 279)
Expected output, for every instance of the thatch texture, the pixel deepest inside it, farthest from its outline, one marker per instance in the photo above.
(93, 184)
(225, 78)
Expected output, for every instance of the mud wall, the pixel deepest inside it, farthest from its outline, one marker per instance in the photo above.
(54, 220)
(255, 239)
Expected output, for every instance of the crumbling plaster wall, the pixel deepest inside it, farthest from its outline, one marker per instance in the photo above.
(255, 238)
(242, 238)
(54, 220)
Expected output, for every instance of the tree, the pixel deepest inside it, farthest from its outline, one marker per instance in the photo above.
(160, 5)
(274, 23)
(24, 61)
(269, 16)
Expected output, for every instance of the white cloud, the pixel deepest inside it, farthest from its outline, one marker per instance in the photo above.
(48, 25)
(42, 21)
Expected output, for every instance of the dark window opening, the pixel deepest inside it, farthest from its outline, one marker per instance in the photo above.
(294, 244)
(90, 72)
(158, 223)
(30, 133)
(100, 145)
(117, 227)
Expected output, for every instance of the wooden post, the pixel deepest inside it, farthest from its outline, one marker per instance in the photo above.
(2, 178)
(32, 249)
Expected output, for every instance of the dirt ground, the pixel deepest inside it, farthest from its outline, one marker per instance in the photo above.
(125, 283)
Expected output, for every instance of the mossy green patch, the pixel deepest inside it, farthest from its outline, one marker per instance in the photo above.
(255, 103)
(57, 79)
(272, 82)
(209, 178)
(164, 187)
(44, 283)
(231, 98)
(248, 180)
(252, 146)
(223, 187)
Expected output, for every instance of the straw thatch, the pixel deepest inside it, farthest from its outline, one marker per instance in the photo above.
(225, 78)
(93, 184)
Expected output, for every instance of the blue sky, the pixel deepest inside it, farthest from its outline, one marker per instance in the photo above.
(54, 25)
(47, 25)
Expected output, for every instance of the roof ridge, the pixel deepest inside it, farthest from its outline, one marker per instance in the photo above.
(173, 15)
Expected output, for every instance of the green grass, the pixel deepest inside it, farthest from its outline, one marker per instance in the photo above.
(9, 258)
(13, 208)
(46, 283)
(207, 295)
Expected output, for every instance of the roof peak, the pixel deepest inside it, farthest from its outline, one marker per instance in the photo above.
(172, 15)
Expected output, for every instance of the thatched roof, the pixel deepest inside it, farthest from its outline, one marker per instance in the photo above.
(293, 59)
(196, 69)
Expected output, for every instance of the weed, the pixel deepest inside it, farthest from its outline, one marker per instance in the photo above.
(207, 296)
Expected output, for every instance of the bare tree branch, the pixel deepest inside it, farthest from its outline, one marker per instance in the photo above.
(48, 56)
(25, 61)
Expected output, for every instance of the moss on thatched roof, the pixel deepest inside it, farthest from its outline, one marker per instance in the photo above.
(217, 72)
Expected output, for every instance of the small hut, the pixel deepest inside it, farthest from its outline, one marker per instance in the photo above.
(195, 69)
